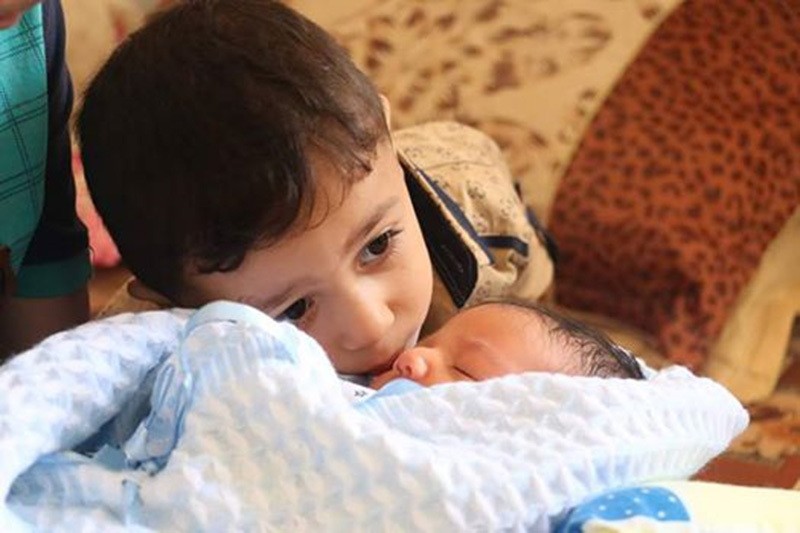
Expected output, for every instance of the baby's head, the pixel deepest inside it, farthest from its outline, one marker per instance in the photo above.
(235, 152)
(497, 338)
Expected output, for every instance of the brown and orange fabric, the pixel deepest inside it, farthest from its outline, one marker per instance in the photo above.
(689, 171)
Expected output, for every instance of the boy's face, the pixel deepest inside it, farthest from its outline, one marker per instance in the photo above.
(484, 342)
(359, 280)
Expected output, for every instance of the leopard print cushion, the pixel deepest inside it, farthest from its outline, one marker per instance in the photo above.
(687, 173)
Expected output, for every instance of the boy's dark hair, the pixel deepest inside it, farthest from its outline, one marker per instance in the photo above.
(197, 132)
(599, 356)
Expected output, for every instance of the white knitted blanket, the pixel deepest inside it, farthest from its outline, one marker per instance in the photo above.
(249, 431)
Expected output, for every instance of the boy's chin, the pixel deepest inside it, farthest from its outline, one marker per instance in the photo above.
(139, 291)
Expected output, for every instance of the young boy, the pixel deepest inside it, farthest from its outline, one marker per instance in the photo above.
(235, 152)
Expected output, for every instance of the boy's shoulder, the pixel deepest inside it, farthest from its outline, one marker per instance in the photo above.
(483, 207)
(433, 144)
(468, 166)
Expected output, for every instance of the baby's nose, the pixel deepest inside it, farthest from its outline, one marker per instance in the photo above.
(411, 364)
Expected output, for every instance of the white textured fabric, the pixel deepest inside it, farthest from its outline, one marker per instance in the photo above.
(60, 392)
(268, 441)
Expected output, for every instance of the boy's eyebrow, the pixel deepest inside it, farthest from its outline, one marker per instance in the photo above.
(366, 228)
(378, 212)
(265, 304)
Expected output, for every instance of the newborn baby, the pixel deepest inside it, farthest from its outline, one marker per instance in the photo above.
(498, 338)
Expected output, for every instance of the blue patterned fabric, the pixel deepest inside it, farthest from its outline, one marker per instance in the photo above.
(653, 503)
(249, 430)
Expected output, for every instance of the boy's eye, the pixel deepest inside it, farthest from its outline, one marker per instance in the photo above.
(378, 246)
(296, 311)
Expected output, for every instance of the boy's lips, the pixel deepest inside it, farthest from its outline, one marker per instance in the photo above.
(385, 367)
(388, 363)
(383, 374)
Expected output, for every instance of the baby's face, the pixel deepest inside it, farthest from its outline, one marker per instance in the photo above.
(483, 342)
(358, 280)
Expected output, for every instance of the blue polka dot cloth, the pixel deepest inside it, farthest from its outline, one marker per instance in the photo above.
(655, 503)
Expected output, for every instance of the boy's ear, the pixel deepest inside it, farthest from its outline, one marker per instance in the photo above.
(387, 111)
(140, 291)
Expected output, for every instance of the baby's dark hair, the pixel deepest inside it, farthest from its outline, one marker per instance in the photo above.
(599, 356)
(196, 134)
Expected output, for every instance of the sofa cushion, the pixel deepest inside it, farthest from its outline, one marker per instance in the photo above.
(688, 172)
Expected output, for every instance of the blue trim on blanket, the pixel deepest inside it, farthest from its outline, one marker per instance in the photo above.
(654, 503)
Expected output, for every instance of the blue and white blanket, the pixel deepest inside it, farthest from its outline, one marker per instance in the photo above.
(249, 431)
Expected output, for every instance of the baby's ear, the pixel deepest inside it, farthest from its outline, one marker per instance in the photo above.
(140, 291)
(387, 111)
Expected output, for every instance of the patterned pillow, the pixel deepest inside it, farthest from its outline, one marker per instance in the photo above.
(687, 174)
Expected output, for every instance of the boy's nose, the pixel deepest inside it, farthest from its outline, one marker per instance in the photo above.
(411, 364)
(365, 321)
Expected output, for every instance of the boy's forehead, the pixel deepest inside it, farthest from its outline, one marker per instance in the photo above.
(332, 183)
(340, 217)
